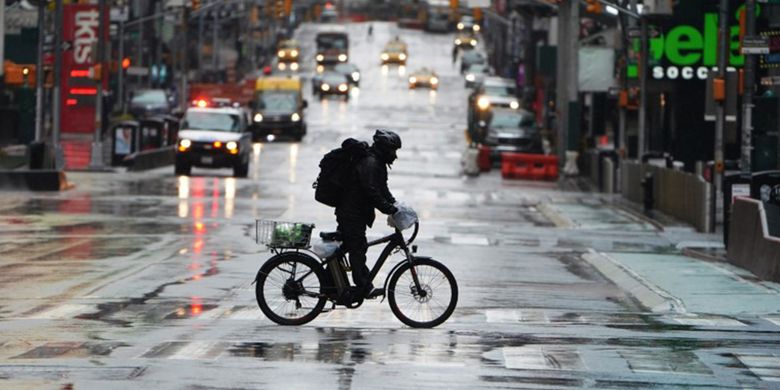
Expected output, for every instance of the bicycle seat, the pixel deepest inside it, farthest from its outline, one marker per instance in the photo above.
(331, 236)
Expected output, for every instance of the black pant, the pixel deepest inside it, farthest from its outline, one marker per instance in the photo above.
(353, 232)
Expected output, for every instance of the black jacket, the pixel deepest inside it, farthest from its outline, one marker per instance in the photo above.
(366, 191)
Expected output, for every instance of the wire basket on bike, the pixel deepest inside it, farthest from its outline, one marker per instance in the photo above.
(279, 234)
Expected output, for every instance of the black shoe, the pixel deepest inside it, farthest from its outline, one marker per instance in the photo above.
(375, 293)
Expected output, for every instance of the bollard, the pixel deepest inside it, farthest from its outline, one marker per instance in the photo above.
(647, 190)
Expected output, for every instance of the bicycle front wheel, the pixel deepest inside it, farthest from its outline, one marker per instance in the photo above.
(430, 304)
(289, 289)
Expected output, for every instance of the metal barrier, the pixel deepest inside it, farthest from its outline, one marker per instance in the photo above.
(151, 159)
(609, 176)
(682, 195)
(750, 245)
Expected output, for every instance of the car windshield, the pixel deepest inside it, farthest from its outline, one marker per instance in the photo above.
(331, 42)
(477, 68)
(511, 120)
(288, 45)
(499, 90)
(470, 56)
(149, 97)
(333, 78)
(345, 68)
(394, 48)
(276, 101)
(218, 121)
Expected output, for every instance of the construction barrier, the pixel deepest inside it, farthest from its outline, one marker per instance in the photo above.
(751, 246)
(483, 158)
(529, 166)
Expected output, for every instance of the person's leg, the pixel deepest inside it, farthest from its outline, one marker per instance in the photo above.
(354, 235)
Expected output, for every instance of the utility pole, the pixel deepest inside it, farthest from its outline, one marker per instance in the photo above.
(59, 158)
(121, 71)
(643, 63)
(97, 143)
(720, 117)
(623, 118)
(200, 45)
(185, 64)
(214, 39)
(561, 96)
(2, 42)
(39, 79)
(747, 97)
(572, 79)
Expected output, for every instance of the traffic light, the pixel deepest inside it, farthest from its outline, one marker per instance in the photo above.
(453, 4)
(195, 5)
(287, 7)
(594, 7)
(125, 63)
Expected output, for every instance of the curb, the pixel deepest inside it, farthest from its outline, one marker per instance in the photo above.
(650, 296)
(33, 180)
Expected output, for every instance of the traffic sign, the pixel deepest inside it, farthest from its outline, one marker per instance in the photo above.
(755, 45)
(137, 71)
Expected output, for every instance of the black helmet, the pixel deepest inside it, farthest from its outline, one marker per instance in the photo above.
(387, 139)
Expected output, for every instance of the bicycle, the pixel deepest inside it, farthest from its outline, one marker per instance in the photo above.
(421, 292)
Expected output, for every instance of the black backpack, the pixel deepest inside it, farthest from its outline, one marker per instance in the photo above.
(335, 168)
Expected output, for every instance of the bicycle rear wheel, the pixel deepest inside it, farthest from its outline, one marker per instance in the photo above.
(428, 306)
(289, 289)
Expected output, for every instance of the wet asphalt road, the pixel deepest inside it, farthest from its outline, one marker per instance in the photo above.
(144, 280)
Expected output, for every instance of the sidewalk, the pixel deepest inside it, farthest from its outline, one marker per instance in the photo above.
(692, 277)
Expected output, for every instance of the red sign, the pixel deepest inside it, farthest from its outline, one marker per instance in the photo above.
(79, 90)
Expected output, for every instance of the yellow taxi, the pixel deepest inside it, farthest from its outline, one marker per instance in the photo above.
(395, 52)
(424, 77)
(465, 41)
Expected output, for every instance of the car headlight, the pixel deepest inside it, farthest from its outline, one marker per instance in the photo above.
(412, 80)
(402, 56)
(473, 42)
(232, 145)
(325, 87)
(458, 41)
(320, 57)
(294, 66)
(343, 87)
(281, 53)
(258, 117)
(355, 76)
(514, 105)
(385, 57)
(282, 66)
(294, 53)
(434, 80)
(184, 144)
(476, 27)
(320, 68)
(470, 77)
(295, 117)
(460, 26)
(343, 57)
(483, 103)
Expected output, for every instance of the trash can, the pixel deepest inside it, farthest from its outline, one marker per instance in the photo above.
(734, 184)
(125, 141)
(606, 179)
(37, 155)
(152, 133)
(171, 129)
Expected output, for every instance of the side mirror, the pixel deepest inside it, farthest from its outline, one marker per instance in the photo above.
(305, 103)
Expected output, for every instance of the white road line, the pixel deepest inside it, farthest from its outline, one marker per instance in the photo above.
(766, 367)
(61, 312)
(469, 239)
(709, 321)
(199, 350)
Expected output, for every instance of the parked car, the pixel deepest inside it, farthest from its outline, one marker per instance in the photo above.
(149, 102)
(424, 77)
(475, 74)
(508, 130)
(214, 138)
(471, 57)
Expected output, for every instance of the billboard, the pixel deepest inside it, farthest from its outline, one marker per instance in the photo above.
(78, 93)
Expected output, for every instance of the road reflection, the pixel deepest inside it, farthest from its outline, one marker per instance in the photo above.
(293, 163)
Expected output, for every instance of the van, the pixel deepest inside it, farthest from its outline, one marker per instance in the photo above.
(278, 109)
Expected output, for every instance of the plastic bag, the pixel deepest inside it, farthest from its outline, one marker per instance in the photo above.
(404, 218)
(325, 249)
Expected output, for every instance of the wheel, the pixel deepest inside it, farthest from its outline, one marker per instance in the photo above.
(429, 307)
(289, 288)
(241, 170)
(182, 169)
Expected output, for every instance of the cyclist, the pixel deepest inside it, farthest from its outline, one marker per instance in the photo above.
(367, 190)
